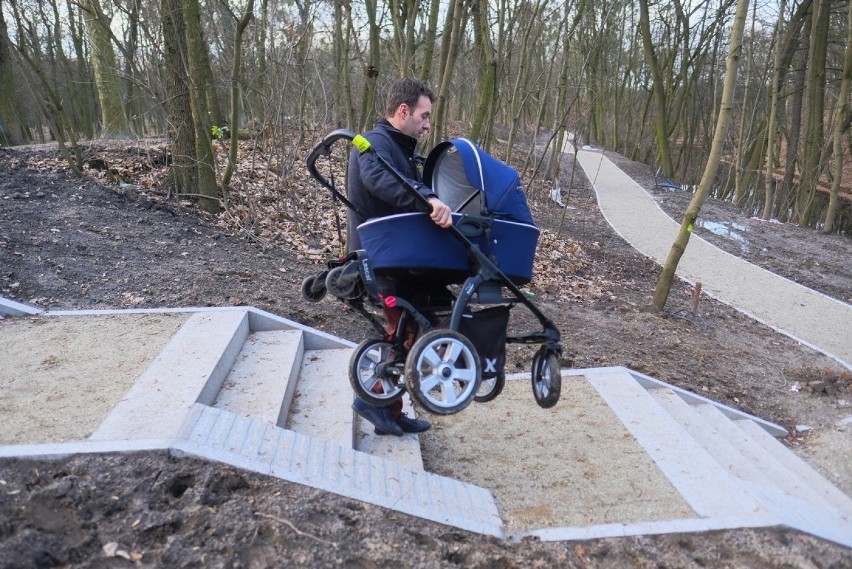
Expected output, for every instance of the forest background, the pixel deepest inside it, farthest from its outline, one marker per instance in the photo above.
(644, 79)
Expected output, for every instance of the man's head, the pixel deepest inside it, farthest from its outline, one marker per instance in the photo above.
(408, 105)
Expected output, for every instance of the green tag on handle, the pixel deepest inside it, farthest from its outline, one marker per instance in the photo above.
(361, 143)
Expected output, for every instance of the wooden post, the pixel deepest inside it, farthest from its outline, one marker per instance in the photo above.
(696, 294)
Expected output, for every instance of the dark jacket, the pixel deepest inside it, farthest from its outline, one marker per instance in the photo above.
(374, 190)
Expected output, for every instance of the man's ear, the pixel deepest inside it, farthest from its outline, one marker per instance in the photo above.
(403, 110)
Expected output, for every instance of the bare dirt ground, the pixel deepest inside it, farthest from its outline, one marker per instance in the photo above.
(68, 243)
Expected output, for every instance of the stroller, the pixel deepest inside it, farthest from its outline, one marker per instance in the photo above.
(459, 354)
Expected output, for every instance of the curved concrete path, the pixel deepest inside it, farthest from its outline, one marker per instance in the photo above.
(810, 317)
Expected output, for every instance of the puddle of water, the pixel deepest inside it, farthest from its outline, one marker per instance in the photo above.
(732, 231)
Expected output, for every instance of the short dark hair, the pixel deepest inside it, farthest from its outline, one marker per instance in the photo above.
(407, 90)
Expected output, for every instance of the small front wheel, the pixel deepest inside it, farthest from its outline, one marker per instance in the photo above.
(489, 389)
(546, 378)
(443, 372)
(313, 288)
(373, 377)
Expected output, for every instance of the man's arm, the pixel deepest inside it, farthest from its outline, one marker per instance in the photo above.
(381, 183)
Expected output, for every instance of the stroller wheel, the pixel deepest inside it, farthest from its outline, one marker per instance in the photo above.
(443, 371)
(490, 388)
(368, 373)
(345, 282)
(546, 378)
(313, 288)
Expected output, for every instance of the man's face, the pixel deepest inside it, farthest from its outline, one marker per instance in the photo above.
(415, 122)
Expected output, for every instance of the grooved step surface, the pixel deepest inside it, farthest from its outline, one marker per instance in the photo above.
(260, 447)
(263, 379)
(774, 473)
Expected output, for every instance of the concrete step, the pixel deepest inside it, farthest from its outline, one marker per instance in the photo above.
(775, 475)
(799, 468)
(404, 450)
(322, 403)
(322, 408)
(258, 446)
(190, 369)
(735, 450)
(262, 382)
(706, 486)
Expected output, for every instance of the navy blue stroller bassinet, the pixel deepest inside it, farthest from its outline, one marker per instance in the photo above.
(489, 250)
(490, 209)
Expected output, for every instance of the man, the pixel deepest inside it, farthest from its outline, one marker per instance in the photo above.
(376, 193)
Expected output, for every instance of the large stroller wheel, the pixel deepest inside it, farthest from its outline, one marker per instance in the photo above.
(313, 288)
(490, 388)
(368, 368)
(546, 378)
(443, 372)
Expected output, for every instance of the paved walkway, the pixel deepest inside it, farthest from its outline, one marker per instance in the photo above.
(811, 317)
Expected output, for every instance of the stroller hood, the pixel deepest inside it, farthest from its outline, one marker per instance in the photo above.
(469, 180)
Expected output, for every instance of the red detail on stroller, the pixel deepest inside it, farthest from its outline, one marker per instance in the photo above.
(486, 254)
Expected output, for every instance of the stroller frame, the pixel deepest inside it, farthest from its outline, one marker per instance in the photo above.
(442, 370)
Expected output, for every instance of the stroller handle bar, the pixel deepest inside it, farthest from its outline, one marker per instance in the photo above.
(323, 148)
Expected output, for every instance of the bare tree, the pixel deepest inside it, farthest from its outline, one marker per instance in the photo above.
(236, 106)
(12, 129)
(814, 144)
(660, 100)
(842, 123)
(725, 108)
(199, 82)
(113, 120)
(772, 127)
(184, 171)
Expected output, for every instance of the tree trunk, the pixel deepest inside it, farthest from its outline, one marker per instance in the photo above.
(113, 120)
(742, 181)
(208, 190)
(184, 171)
(403, 13)
(772, 127)
(235, 97)
(11, 127)
(371, 73)
(429, 40)
(812, 151)
(86, 93)
(842, 121)
(450, 42)
(661, 125)
(664, 283)
(487, 76)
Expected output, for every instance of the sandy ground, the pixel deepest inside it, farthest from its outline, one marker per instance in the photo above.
(574, 465)
(62, 375)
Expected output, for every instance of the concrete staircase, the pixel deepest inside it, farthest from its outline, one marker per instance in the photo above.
(246, 387)
(243, 362)
(728, 466)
